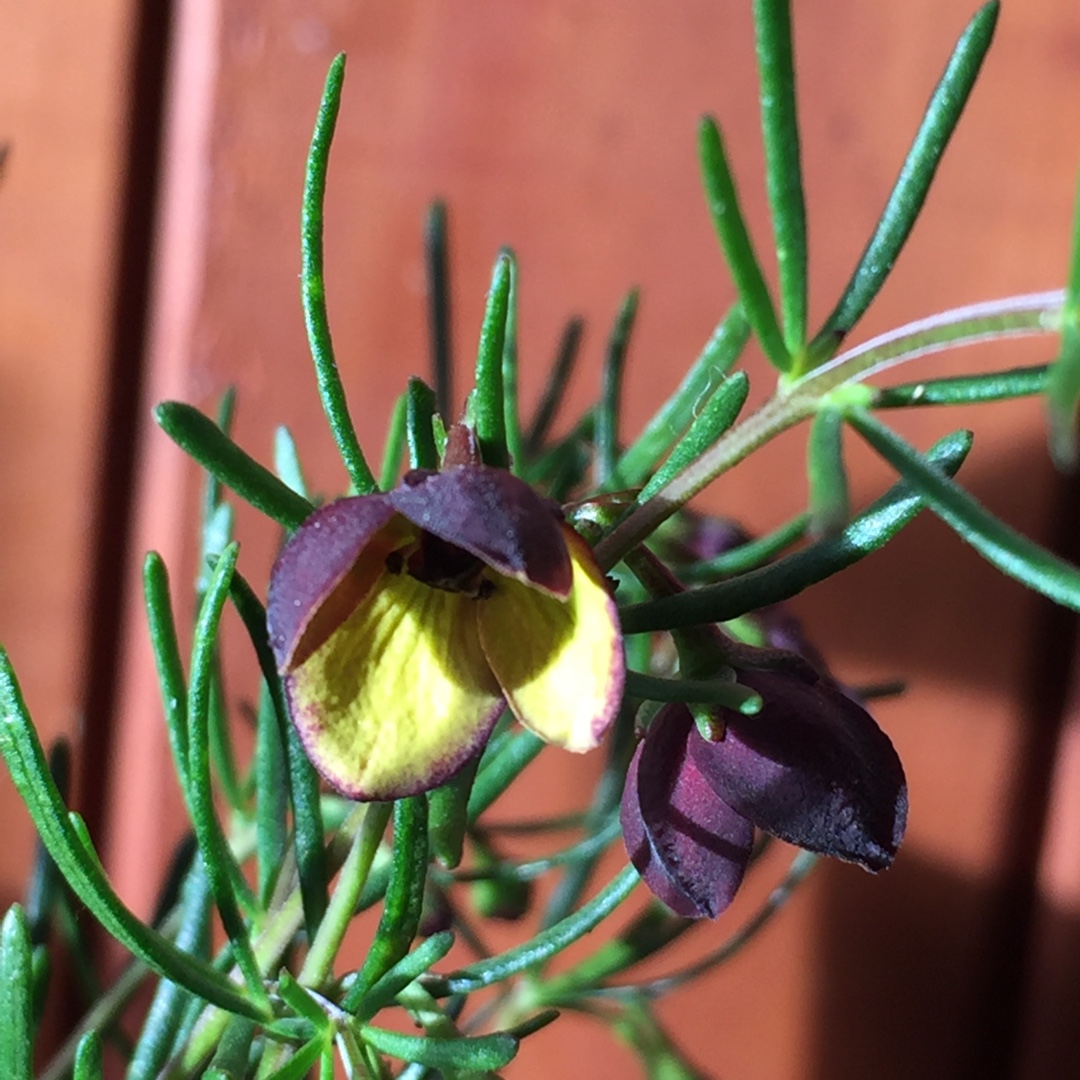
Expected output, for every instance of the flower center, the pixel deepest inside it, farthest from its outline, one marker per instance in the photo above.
(442, 566)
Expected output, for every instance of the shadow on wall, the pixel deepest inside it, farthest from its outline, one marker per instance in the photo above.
(900, 993)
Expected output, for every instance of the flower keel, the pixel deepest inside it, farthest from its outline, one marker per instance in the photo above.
(400, 697)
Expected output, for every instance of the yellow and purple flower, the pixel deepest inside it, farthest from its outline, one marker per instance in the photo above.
(404, 622)
(812, 768)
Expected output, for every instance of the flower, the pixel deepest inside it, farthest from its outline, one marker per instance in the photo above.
(812, 767)
(403, 622)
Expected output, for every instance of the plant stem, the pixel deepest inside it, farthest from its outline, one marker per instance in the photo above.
(354, 875)
(1034, 313)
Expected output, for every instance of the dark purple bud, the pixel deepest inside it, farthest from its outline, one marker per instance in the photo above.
(317, 559)
(494, 516)
(701, 538)
(783, 631)
(690, 847)
(812, 768)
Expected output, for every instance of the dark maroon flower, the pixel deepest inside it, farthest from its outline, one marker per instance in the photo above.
(812, 768)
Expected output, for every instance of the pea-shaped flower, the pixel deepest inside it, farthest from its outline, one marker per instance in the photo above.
(812, 767)
(403, 622)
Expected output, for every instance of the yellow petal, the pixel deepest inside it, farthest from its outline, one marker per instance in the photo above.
(559, 663)
(400, 696)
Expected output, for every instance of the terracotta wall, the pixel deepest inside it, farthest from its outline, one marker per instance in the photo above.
(64, 111)
(567, 130)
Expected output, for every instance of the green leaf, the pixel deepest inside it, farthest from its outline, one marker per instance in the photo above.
(748, 556)
(301, 1063)
(88, 1059)
(499, 771)
(303, 780)
(670, 421)
(301, 1002)
(830, 506)
(448, 815)
(909, 192)
(16, 996)
(544, 945)
(783, 170)
(423, 453)
(220, 864)
(405, 971)
(789, 576)
(44, 890)
(26, 762)
(395, 443)
(714, 419)
(488, 404)
(230, 1060)
(610, 407)
(404, 898)
(555, 388)
(212, 489)
(1000, 545)
(313, 284)
(511, 409)
(1063, 387)
(215, 533)
(964, 389)
(464, 1054)
(299, 1066)
(647, 934)
(735, 240)
(437, 262)
(199, 437)
(271, 797)
(222, 753)
(171, 1000)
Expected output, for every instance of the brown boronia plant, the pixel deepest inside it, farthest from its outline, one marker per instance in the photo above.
(427, 636)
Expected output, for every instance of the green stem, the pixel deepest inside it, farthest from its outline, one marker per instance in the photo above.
(339, 912)
(1035, 313)
(544, 945)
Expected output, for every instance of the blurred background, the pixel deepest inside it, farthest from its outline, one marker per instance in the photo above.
(148, 230)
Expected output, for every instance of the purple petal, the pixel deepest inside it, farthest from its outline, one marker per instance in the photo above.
(784, 631)
(690, 847)
(316, 559)
(495, 516)
(703, 537)
(812, 768)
